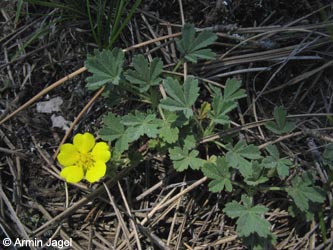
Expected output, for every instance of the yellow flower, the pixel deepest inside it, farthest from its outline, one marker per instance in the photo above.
(83, 159)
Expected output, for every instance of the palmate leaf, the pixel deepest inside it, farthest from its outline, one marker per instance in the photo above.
(145, 74)
(139, 124)
(194, 47)
(257, 175)
(114, 130)
(280, 125)
(220, 175)
(106, 67)
(232, 90)
(222, 105)
(220, 109)
(328, 155)
(281, 165)
(240, 155)
(180, 97)
(184, 158)
(250, 218)
(169, 131)
(303, 192)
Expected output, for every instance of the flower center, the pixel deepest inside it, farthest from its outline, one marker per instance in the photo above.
(86, 161)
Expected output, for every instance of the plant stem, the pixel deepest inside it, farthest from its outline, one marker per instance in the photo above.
(180, 62)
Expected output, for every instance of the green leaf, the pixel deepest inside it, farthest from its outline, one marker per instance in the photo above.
(194, 47)
(113, 130)
(224, 104)
(232, 90)
(106, 67)
(250, 219)
(220, 109)
(280, 125)
(328, 155)
(168, 131)
(180, 98)
(140, 124)
(205, 108)
(256, 177)
(184, 158)
(145, 74)
(255, 242)
(188, 142)
(303, 192)
(281, 165)
(238, 157)
(220, 175)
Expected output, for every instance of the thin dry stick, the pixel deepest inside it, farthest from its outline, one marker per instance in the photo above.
(119, 217)
(66, 213)
(173, 223)
(130, 214)
(13, 214)
(95, 242)
(43, 92)
(186, 190)
(300, 78)
(256, 118)
(280, 139)
(225, 240)
(255, 124)
(77, 72)
(182, 225)
(139, 45)
(63, 234)
(149, 215)
(183, 22)
(161, 216)
(149, 190)
(181, 11)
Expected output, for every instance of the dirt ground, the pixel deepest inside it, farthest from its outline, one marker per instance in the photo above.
(280, 50)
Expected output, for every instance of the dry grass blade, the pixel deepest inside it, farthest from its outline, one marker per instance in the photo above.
(120, 218)
(43, 92)
(66, 213)
(280, 52)
(13, 214)
(132, 221)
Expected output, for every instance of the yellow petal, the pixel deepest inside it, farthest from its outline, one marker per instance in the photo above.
(96, 172)
(84, 142)
(72, 174)
(68, 155)
(101, 152)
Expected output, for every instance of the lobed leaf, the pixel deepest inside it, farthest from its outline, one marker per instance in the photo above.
(232, 91)
(220, 175)
(282, 165)
(106, 67)
(114, 130)
(250, 219)
(240, 155)
(280, 125)
(257, 175)
(180, 98)
(145, 74)
(220, 109)
(140, 124)
(194, 47)
(168, 131)
(184, 158)
(303, 192)
(328, 155)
